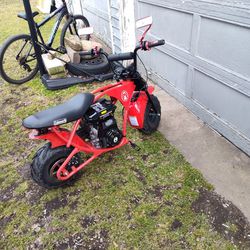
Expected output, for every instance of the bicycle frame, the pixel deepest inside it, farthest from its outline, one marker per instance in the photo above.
(123, 92)
(62, 11)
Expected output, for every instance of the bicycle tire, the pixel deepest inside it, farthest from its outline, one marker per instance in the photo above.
(3, 50)
(68, 23)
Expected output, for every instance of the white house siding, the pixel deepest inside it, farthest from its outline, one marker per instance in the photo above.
(97, 12)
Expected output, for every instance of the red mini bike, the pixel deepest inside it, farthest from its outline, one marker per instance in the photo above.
(95, 130)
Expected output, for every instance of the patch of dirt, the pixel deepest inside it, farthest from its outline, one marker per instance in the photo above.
(8, 193)
(155, 212)
(73, 205)
(34, 193)
(4, 120)
(166, 243)
(175, 225)
(19, 105)
(110, 157)
(119, 181)
(168, 203)
(24, 171)
(76, 193)
(135, 200)
(5, 220)
(158, 190)
(166, 151)
(43, 221)
(93, 241)
(24, 88)
(145, 157)
(55, 204)
(38, 245)
(88, 221)
(140, 175)
(8, 101)
(94, 186)
(225, 218)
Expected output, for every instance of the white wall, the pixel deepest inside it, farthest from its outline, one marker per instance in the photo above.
(113, 21)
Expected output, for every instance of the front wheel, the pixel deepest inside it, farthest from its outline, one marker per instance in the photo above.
(72, 27)
(151, 118)
(46, 163)
(18, 62)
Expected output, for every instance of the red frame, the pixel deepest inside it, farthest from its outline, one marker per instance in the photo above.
(122, 91)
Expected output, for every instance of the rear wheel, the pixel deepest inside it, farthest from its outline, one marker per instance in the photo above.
(151, 118)
(46, 163)
(18, 62)
(72, 26)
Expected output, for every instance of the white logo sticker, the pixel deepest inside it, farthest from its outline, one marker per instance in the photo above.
(124, 95)
(59, 122)
(133, 121)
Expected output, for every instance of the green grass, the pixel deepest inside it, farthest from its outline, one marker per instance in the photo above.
(125, 199)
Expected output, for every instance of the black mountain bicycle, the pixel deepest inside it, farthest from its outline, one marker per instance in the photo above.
(18, 62)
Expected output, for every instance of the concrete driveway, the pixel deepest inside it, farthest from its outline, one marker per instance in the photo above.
(225, 166)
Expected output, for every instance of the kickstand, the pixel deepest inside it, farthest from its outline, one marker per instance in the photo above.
(134, 146)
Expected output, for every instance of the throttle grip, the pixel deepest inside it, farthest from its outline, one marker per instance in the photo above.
(157, 43)
(146, 45)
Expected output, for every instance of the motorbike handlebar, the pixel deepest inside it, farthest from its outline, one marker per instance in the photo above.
(124, 56)
(156, 43)
(146, 45)
(121, 56)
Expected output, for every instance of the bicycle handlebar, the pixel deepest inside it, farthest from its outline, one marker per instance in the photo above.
(86, 53)
(124, 56)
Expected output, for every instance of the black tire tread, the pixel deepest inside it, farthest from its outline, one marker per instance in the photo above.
(41, 158)
(148, 127)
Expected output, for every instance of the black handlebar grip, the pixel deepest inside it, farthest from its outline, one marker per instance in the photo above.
(157, 43)
(121, 56)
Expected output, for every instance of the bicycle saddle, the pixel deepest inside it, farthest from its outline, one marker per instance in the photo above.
(24, 16)
(71, 110)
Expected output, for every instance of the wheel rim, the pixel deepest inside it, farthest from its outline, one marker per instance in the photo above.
(19, 61)
(95, 61)
(54, 168)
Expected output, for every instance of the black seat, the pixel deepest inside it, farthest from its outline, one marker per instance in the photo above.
(24, 16)
(69, 111)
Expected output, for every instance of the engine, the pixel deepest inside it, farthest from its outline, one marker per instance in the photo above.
(103, 131)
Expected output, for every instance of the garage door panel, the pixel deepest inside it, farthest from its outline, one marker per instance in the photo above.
(172, 69)
(223, 101)
(225, 44)
(174, 26)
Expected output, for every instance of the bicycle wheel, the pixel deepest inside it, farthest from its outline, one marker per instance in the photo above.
(72, 26)
(18, 62)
